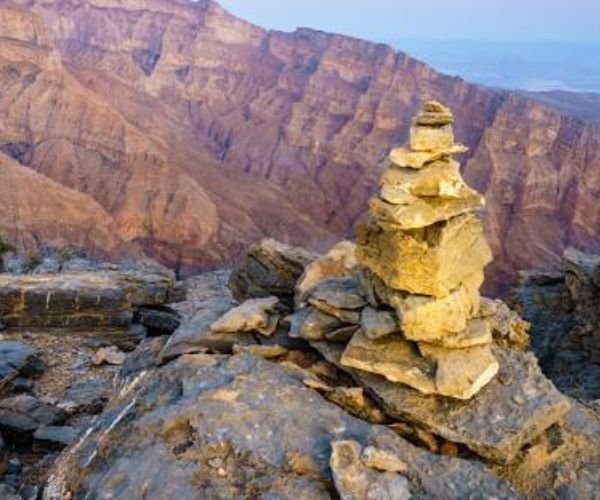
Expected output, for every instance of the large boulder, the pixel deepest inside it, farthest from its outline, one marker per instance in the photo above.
(238, 427)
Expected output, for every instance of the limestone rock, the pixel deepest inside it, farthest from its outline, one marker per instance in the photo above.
(264, 351)
(429, 261)
(355, 402)
(343, 315)
(439, 179)
(392, 357)
(108, 355)
(429, 319)
(14, 357)
(378, 323)
(478, 332)
(515, 407)
(434, 114)
(406, 158)
(375, 458)
(195, 334)
(339, 293)
(354, 481)
(422, 212)
(338, 262)
(343, 334)
(80, 299)
(253, 315)
(270, 268)
(22, 415)
(161, 430)
(509, 329)
(461, 373)
(317, 325)
(431, 138)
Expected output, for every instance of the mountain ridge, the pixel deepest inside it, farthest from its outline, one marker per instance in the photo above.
(306, 117)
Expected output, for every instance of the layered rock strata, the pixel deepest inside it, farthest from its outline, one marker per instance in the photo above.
(81, 299)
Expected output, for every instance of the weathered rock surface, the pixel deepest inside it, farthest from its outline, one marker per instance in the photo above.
(223, 426)
(461, 373)
(55, 436)
(14, 357)
(338, 262)
(79, 300)
(378, 323)
(196, 335)
(339, 293)
(253, 315)
(422, 212)
(159, 320)
(428, 319)
(355, 481)
(517, 405)
(88, 396)
(430, 261)
(478, 332)
(108, 355)
(392, 357)
(563, 309)
(270, 268)
(21, 415)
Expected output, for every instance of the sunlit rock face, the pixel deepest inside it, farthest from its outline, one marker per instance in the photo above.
(196, 132)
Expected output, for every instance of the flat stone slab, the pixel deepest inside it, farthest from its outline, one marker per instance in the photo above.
(252, 315)
(24, 414)
(79, 299)
(196, 335)
(14, 356)
(515, 407)
(206, 426)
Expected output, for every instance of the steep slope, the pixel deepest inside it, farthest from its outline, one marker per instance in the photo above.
(259, 132)
(53, 124)
(29, 209)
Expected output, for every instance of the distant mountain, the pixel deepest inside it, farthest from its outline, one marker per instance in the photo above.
(530, 66)
(583, 105)
(191, 133)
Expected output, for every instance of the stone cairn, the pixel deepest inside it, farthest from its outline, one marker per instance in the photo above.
(414, 315)
(399, 312)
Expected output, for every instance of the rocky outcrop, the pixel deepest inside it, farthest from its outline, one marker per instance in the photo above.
(563, 308)
(214, 412)
(227, 429)
(220, 132)
(80, 300)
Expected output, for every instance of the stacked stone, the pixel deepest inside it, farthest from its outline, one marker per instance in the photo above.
(422, 254)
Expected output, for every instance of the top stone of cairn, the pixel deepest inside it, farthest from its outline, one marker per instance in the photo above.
(431, 138)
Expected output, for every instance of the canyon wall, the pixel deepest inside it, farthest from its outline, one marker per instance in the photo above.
(196, 132)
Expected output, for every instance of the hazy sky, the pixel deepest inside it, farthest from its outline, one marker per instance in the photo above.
(390, 20)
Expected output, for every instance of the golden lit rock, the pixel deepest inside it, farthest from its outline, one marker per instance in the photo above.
(461, 373)
(429, 261)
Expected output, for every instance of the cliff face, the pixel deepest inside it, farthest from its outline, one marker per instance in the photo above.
(195, 130)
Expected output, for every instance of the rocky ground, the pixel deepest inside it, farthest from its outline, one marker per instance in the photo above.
(177, 407)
